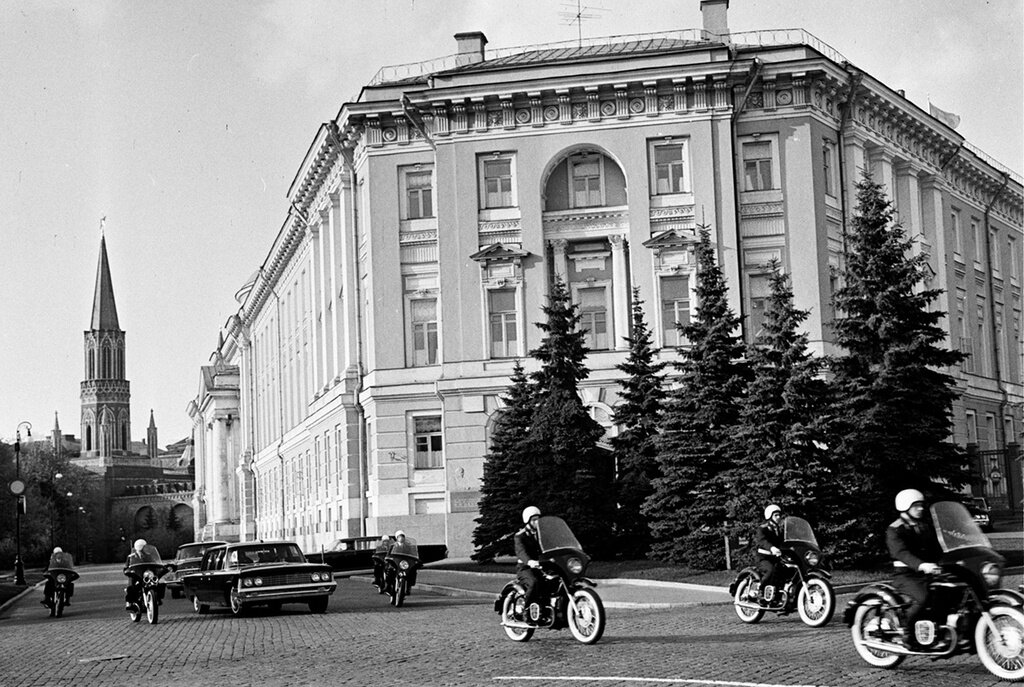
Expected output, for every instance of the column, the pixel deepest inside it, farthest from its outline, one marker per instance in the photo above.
(908, 193)
(558, 247)
(347, 275)
(316, 306)
(855, 162)
(933, 227)
(620, 293)
(881, 161)
(332, 280)
(324, 269)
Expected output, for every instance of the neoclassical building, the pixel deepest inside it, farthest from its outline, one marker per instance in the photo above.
(430, 216)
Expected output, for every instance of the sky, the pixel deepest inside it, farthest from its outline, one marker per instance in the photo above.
(184, 123)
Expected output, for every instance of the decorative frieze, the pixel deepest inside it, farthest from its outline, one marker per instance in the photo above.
(577, 223)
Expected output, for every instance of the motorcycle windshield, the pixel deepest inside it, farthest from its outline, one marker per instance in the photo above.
(798, 530)
(955, 527)
(553, 533)
(406, 548)
(149, 554)
(61, 560)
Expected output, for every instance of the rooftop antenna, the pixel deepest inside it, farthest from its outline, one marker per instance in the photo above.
(575, 14)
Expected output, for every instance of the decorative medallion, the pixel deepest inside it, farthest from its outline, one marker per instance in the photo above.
(523, 116)
(550, 113)
(389, 134)
(607, 108)
(636, 105)
(784, 97)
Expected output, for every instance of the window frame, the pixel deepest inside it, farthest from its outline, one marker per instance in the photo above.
(666, 327)
(405, 173)
(420, 287)
(828, 161)
(510, 351)
(482, 178)
(432, 463)
(773, 158)
(652, 167)
(571, 163)
(609, 315)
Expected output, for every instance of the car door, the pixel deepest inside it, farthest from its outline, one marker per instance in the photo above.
(208, 575)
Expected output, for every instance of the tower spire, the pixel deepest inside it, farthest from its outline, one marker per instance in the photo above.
(104, 310)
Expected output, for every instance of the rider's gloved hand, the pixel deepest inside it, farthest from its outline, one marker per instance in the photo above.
(776, 551)
(928, 568)
(533, 563)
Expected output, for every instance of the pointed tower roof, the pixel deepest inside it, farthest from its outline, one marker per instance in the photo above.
(152, 422)
(104, 311)
(56, 422)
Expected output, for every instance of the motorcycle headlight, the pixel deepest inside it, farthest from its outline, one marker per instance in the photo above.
(991, 573)
(404, 565)
(575, 566)
(149, 577)
(812, 558)
(258, 581)
(62, 578)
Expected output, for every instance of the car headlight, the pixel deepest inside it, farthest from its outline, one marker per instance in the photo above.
(404, 565)
(258, 581)
(62, 578)
(812, 558)
(315, 577)
(247, 582)
(575, 566)
(991, 573)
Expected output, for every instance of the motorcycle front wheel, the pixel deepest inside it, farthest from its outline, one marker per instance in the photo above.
(747, 615)
(152, 609)
(399, 596)
(1001, 649)
(58, 604)
(871, 617)
(587, 622)
(516, 634)
(816, 602)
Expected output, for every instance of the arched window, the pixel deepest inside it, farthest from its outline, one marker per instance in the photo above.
(88, 437)
(105, 361)
(90, 371)
(585, 179)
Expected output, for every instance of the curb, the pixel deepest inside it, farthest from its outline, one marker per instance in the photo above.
(14, 599)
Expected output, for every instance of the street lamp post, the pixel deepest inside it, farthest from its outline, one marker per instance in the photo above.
(18, 488)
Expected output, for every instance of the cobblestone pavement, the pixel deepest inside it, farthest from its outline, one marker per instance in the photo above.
(433, 640)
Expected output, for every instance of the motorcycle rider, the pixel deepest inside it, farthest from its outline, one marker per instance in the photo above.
(769, 549)
(58, 559)
(141, 553)
(378, 561)
(914, 549)
(390, 572)
(528, 551)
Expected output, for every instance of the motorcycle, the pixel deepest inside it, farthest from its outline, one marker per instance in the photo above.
(803, 581)
(378, 572)
(966, 611)
(565, 598)
(61, 579)
(401, 560)
(147, 576)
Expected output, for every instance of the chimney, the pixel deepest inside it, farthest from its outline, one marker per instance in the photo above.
(471, 47)
(714, 13)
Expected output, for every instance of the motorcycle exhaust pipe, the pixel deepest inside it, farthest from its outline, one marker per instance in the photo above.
(747, 604)
(516, 625)
(904, 651)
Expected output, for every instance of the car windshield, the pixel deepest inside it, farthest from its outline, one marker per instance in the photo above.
(262, 554)
(191, 551)
(798, 530)
(406, 548)
(553, 533)
(955, 528)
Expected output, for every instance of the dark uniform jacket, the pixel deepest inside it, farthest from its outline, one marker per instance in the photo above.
(768, 535)
(527, 548)
(911, 544)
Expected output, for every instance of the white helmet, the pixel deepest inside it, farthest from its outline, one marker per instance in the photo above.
(907, 498)
(139, 545)
(57, 549)
(529, 512)
(399, 533)
(770, 511)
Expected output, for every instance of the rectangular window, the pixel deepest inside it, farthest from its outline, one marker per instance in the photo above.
(958, 238)
(419, 194)
(594, 317)
(1016, 256)
(675, 308)
(501, 306)
(971, 421)
(669, 168)
(424, 331)
(981, 342)
(966, 345)
(760, 290)
(757, 166)
(428, 442)
(993, 252)
(976, 237)
(586, 181)
(828, 165)
(497, 182)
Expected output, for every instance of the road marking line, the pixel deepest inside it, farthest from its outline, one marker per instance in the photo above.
(115, 657)
(660, 680)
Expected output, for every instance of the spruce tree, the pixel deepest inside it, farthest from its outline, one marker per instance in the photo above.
(687, 508)
(502, 496)
(777, 446)
(893, 416)
(634, 449)
(564, 470)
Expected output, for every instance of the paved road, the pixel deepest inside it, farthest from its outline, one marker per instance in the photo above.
(433, 640)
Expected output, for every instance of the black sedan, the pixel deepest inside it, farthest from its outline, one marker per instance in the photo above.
(248, 574)
(356, 553)
(186, 562)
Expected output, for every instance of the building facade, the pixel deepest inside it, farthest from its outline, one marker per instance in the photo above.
(429, 218)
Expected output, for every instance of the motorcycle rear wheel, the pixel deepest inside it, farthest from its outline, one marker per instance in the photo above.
(58, 604)
(587, 623)
(516, 634)
(747, 615)
(869, 617)
(1002, 651)
(152, 608)
(816, 602)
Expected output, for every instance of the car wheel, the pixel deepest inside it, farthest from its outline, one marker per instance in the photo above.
(200, 608)
(237, 607)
